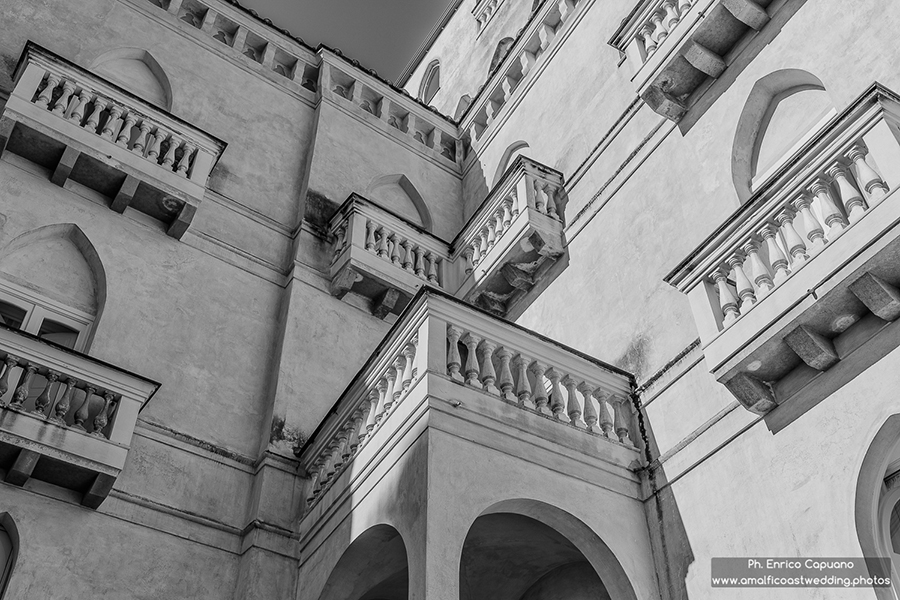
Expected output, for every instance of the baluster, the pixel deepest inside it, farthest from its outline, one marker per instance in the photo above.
(488, 375)
(46, 94)
(168, 161)
(420, 262)
(491, 232)
(316, 470)
(409, 353)
(468, 255)
(454, 360)
(671, 16)
(372, 418)
(507, 213)
(514, 198)
(659, 28)
(339, 237)
(683, 7)
(399, 363)
(742, 284)
(102, 418)
(539, 202)
(365, 409)
(112, 120)
(476, 249)
(84, 410)
(471, 341)
(832, 216)
(551, 202)
(590, 414)
(870, 180)
(847, 194)
(43, 401)
(538, 391)
(408, 256)
(432, 261)
(794, 243)
(606, 422)
(485, 242)
(353, 439)
(381, 386)
(185, 163)
(391, 376)
(93, 120)
(63, 102)
(21, 393)
(777, 259)
(370, 235)
(382, 248)
(506, 378)
(341, 439)
(622, 413)
(62, 407)
(141, 142)
(156, 145)
(523, 386)
(811, 226)
(125, 132)
(331, 458)
(762, 278)
(727, 301)
(10, 361)
(557, 406)
(77, 105)
(573, 406)
(646, 34)
(395, 250)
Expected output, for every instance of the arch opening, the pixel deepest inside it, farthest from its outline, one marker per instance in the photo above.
(465, 101)
(137, 71)
(500, 53)
(528, 550)
(784, 109)
(374, 567)
(397, 194)
(431, 82)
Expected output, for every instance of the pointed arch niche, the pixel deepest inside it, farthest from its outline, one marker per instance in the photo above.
(465, 101)
(138, 72)
(53, 285)
(514, 150)
(431, 82)
(500, 52)
(398, 194)
(784, 110)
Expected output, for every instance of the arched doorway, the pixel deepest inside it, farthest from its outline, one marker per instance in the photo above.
(528, 550)
(374, 567)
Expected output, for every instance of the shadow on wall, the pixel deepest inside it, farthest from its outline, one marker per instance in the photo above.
(138, 72)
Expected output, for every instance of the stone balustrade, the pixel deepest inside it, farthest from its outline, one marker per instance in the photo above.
(676, 48)
(533, 43)
(484, 10)
(439, 342)
(405, 118)
(294, 64)
(382, 256)
(62, 408)
(90, 131)
(514, 244)
(806, 261)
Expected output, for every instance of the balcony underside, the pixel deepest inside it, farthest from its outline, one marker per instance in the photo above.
(114, 172)
(388, 287)
(842, 320)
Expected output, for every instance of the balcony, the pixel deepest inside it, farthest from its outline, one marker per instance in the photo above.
(796, 293)
(85, 129)
(514, 246)
(676, 47)
(444, 361)
(382, 256)
(65, 418)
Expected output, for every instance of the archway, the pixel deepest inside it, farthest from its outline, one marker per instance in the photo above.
(528, 550)
(782, 111)
(398, 194)
(138, 72)
(374, 567)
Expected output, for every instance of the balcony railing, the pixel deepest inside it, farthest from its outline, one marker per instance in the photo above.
(65, 418)
(382, 256)
(440, 341)
(675, 47)
(90, 131)
(760, 285)
(514, 245)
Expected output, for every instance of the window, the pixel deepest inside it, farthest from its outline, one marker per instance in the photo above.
(431, 82)
(24, 310)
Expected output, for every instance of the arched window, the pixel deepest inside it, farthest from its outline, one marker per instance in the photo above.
(9, 550)
(500, 53)
(784, 110)
(138, 72)
(462, 106)
(431, 82)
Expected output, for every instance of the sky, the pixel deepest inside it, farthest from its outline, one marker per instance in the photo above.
(380, 34)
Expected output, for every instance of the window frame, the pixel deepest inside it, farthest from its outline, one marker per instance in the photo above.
(39, 308)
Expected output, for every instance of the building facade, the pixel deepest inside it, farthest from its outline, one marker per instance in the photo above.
(594, 294)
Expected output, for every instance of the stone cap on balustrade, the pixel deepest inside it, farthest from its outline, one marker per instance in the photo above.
(630, 24)
(430, 302)
(35, 53)
(787, 180)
